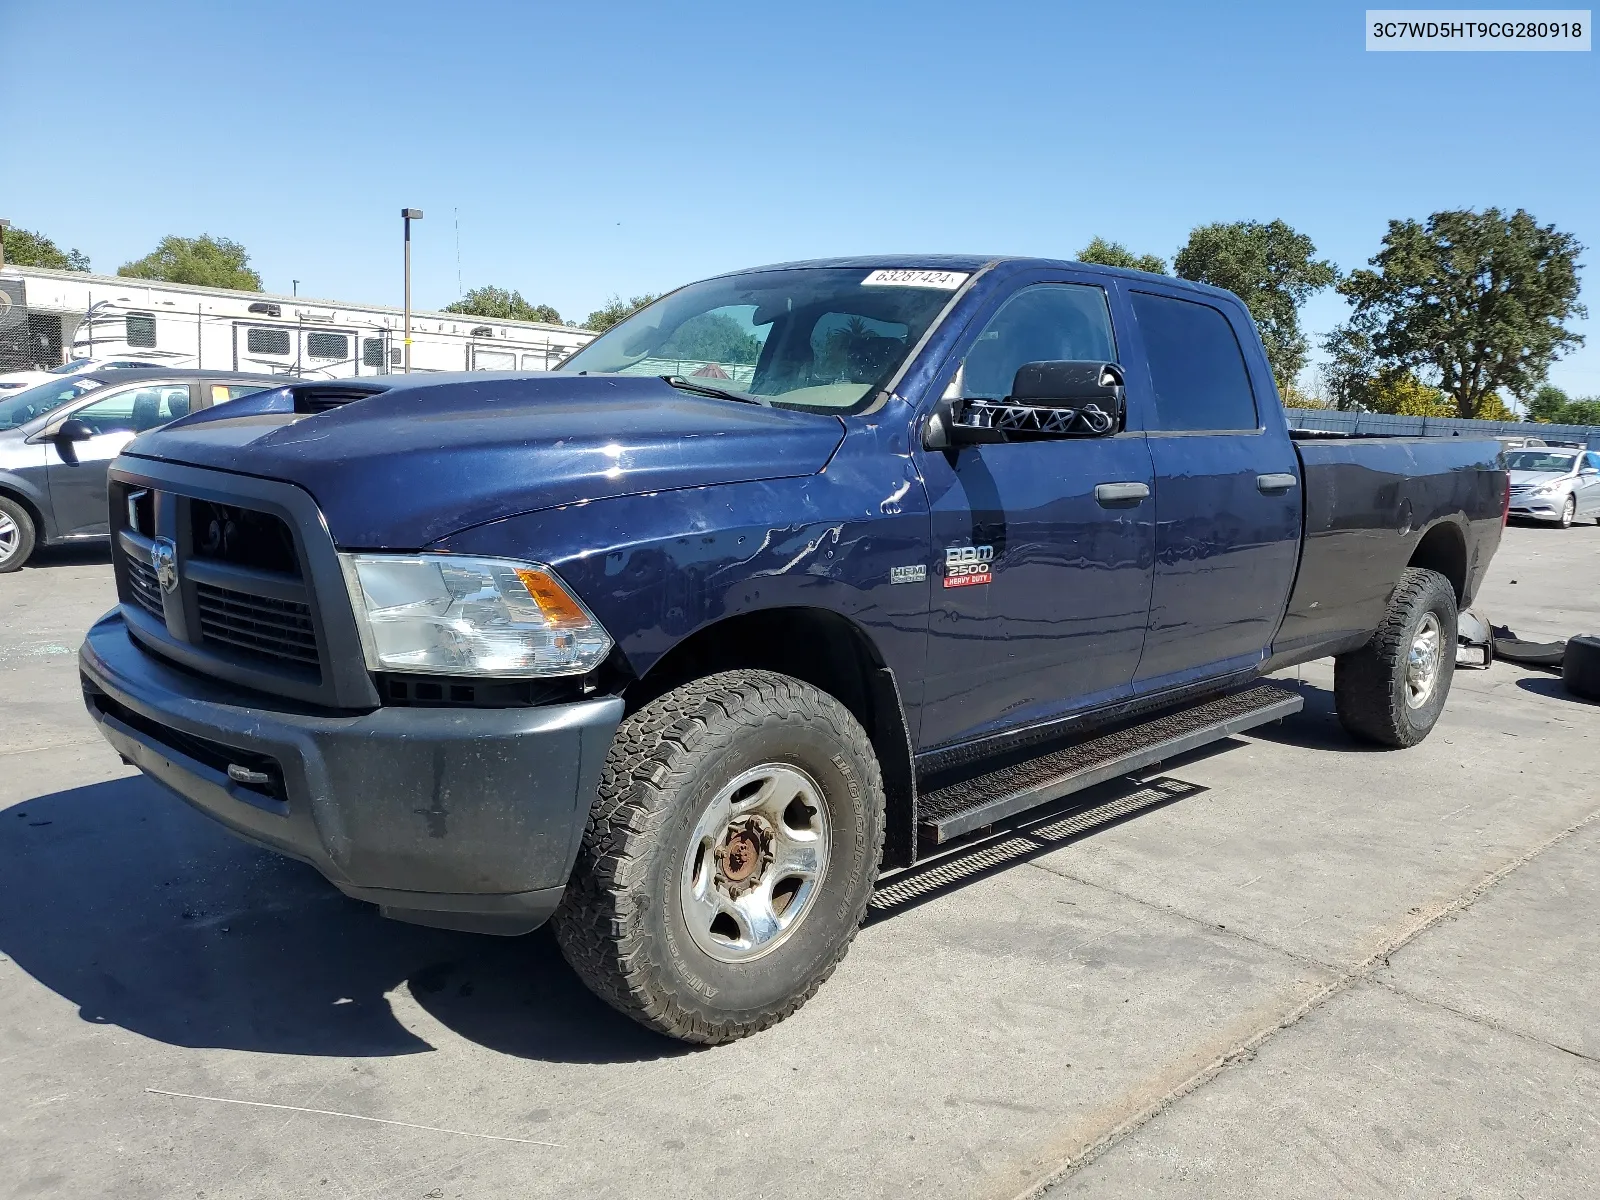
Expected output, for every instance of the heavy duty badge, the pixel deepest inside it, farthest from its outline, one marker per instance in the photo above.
(968, 566)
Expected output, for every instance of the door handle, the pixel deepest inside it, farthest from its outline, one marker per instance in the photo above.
(1109, 494)
(1279, 481)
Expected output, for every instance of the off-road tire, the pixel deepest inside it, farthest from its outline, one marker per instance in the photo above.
(1580, 667)
(1369, 684)
(621, 924)
(22, 548)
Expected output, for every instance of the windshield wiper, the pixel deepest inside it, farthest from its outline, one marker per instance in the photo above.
(704, 389)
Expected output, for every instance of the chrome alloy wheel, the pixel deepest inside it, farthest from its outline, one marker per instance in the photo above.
(10, 537)
(755, 862)
(1422, 663)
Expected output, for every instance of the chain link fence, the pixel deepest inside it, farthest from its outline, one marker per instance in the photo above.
(28, 340)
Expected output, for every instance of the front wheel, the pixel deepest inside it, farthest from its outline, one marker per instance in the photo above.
(16, 535)
(1392, 690)
(729, 856)
(1569, 510)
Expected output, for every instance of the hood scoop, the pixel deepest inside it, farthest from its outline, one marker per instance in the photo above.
(311, 399)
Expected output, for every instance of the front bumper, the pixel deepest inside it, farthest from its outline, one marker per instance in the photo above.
(462, 817)
(1538, 508)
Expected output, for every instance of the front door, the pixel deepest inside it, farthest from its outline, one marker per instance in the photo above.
(1042, 590)
(1227, 503)
(77, 477)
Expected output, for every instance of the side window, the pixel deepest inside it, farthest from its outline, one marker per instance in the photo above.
(493, 360)
(1048, 322)
(221, 393)
(372, 352)
(1591, 461)
(136, 409)
(327, 345)
(141, 330)
(267, 341)
(1196, 366)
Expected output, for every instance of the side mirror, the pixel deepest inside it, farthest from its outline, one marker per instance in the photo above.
(1049, 399)
(73, 430)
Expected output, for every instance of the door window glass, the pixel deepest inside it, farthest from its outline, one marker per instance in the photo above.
(134, 410)
(1591, 461)
(221, 393)
(1196, 366)
(1049, 322)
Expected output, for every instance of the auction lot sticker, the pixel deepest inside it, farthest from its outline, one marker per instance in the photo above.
(945, 281)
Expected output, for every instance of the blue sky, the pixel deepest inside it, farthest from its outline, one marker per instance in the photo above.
(623, 148)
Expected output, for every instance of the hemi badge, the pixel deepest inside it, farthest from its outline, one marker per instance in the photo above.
(912, 574)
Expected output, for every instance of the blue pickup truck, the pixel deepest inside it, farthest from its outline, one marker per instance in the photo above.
(798, 574)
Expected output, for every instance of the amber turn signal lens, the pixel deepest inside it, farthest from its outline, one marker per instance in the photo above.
(560, 609)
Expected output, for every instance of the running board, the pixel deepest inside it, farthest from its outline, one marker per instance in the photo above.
(962, 807)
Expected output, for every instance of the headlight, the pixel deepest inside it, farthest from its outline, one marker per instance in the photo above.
(447, 614)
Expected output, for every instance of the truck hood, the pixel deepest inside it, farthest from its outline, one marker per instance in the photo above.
(424, 459)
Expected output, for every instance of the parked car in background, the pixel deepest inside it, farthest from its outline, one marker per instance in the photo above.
(57, 439)
(13, 381)
(1509, 442)
(1555, 484)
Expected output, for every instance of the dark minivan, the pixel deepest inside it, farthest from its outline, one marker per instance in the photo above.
(57, 439)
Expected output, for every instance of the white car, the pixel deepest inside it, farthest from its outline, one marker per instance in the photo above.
(1555, 484)
(13, 381)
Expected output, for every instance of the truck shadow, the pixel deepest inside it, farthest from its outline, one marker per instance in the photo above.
(70, 555)
(1316, 726)
(146, 916)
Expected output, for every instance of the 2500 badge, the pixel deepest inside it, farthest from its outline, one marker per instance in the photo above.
(968, 566)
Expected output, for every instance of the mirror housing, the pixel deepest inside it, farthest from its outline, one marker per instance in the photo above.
(1049, 399)
(73, 430)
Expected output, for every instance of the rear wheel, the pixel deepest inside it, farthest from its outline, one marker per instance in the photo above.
(16, 535)
(729, 856)
(1392, 690)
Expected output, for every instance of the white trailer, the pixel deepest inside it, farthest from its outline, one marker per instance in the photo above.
(48, 317)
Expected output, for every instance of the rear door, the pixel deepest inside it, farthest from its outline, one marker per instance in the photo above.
(77, 477)
(1227, 502)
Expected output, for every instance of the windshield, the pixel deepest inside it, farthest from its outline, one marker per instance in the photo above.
(1539, 460)
(69, 368)
(36, 401)
(818, 338)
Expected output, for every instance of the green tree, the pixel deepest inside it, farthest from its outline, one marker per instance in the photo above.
(1479, 300)
(712, 337)
(1349, 373)
(25, 248)
(616, 309)
(1583, 411)
(1547, 404)
(1272, 269)
(204, 261)
(491, 301)
(1115, 254)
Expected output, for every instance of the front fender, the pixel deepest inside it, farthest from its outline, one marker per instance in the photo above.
(35, 497)
(657, 568)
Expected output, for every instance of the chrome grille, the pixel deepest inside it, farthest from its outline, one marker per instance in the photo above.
(142, 583)
(260, 625)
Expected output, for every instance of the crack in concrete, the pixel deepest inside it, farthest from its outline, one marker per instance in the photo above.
(1478, 1019)
(1123, 1126)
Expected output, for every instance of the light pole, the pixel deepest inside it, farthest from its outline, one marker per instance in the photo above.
(409, 215)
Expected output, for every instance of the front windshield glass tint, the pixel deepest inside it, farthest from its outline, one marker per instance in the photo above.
(69, 368)
(820, 338)
(36, 401)
(1539, 460)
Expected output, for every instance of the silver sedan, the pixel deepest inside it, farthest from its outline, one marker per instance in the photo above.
(1552, 484)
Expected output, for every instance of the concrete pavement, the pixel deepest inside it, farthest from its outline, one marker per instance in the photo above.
(1283, 967)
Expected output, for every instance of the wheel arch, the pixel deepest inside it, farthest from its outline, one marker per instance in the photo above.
(828, 651)
(44, 531)
(1443, 548)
